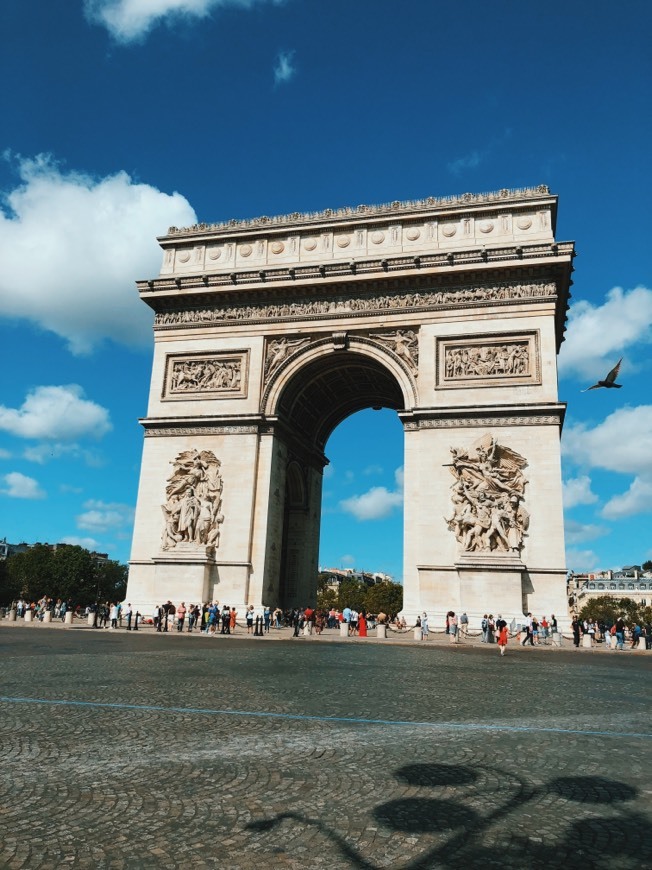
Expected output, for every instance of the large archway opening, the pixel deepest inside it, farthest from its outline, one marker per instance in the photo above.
(362, 499)
(359, 394)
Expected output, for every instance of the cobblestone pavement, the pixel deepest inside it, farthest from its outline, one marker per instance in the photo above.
(129, 751)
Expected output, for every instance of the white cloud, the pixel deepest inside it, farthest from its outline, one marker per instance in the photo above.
(21, 486)
(469, 161)
(72, 246)
(372, 470)
(637, 500)
(622, 442)
(59, 412)
(86, 543)
(578, 533)
(377, 503)
(347, 559)
(479, 155)
(131, 20)
(4, 454)
(101, 516)
(283, 67)
(597, 335)
(577, 490)
(581, 561)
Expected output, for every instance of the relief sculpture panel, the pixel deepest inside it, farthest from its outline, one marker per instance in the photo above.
(277, 350)
(488, 361)
(488, 494)
(205, 376)
(404, 343)
(192, 511)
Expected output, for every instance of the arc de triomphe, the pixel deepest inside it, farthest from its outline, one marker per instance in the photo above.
(270, 332)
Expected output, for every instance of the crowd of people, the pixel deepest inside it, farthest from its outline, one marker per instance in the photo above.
(215, 618)
(613, 634)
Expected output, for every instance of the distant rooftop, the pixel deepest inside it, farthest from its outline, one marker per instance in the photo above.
(396, 207)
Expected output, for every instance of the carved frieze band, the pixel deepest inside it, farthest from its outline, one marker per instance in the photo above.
(183, 431)
(472, 422)
(206, 375)
(311, 308)
(488, 361)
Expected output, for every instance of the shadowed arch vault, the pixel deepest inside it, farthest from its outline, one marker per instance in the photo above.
(316, 396)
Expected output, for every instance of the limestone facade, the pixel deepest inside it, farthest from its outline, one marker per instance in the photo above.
(270, 332)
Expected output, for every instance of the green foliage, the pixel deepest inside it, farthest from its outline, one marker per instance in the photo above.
(353, 592)
(69, 572)
(385, 597)
(608, 610)
(647, 566)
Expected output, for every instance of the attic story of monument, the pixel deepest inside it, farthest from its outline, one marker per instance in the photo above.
(270, 332)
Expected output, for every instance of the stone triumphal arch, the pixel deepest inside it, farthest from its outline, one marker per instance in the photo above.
(270, 332)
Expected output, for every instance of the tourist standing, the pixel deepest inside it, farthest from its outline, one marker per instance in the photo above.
(452, 627)
(576, 628)
(424, 626)
(181, 615)
(249, 619)
(128, 614)
(620, 633)
(464, 625)
(362, 624)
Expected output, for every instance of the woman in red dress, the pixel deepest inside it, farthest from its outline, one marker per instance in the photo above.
(502, 638)
(362, 624)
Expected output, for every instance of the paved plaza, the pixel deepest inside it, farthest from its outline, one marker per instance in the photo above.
(127, 751)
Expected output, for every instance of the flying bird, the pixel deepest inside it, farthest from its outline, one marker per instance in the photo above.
(609, 381)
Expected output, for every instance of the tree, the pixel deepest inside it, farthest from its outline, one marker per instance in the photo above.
(385, 597)
(67, 572)
(352, 593)
(647, 566)
(608, 610)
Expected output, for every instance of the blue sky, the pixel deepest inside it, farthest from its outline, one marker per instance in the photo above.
(123, 117)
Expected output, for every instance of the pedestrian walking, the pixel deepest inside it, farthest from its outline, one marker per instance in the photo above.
(502, 637)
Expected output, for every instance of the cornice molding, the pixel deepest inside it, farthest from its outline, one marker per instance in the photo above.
(353, 271)
(397, 207)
